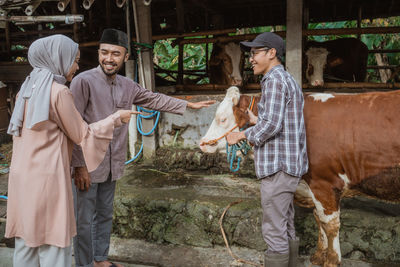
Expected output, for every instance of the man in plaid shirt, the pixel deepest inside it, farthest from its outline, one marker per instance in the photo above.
(279, 140)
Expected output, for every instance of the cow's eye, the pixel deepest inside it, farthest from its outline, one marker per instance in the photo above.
(223, 120)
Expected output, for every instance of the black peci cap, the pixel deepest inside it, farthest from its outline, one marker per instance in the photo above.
(266, 39)
(114, 37)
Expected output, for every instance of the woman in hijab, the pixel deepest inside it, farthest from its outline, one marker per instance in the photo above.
(44, 125)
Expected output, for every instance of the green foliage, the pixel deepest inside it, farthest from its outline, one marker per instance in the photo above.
(166, 57)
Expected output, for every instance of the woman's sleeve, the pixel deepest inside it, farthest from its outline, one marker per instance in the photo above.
(94, 138)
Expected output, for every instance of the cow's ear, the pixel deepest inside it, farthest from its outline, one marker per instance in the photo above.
(336, 61)
(233, 94)
(235, 100)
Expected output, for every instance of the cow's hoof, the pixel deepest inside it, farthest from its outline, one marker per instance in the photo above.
(332, 260)
(318, 258)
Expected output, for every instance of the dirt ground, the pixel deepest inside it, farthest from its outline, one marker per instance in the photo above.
(5, 155)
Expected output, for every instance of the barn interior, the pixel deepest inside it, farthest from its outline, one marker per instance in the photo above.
(23, 21)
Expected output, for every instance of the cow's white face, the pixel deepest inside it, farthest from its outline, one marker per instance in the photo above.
(224, 121)
(316, 58)
(234, 52)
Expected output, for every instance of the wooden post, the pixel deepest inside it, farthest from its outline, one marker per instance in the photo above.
(359, 19)
(207, 70)
(130, 73)
(294, 22)
(142, 15)
(108, 14)
(8, 39)
(180, 64)
(74, 11)
(180, 14)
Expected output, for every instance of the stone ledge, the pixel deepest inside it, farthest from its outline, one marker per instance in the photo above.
(183, 209)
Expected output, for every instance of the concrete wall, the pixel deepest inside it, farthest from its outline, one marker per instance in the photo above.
(192, 125)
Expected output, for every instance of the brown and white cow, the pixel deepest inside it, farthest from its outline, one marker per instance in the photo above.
(226, 63)
(342, 59)
(353, 144)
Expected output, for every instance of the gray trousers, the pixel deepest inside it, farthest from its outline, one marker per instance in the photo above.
(277, 193)
(43, 256)
(93, 212)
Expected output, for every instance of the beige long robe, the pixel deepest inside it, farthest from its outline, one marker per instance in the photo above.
(40, 204)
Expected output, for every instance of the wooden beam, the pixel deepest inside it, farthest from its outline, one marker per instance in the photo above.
(168, 36)
(223, 38)
(384, 51)
(383, 67)
(201, 87)
(362, 85)
(332, 87)
(14, 72)
(193, 34)
(44, 32)
(368, 30)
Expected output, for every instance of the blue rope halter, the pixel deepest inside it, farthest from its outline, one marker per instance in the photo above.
(243, 146)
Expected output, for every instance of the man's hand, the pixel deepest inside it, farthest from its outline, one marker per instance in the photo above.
(253, 118)
(201, 104)
(236, 137)
(82, 178)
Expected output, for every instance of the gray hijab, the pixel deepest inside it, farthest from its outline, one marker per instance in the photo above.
(51, 58)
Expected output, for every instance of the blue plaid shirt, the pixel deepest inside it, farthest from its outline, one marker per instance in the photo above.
(279, 137)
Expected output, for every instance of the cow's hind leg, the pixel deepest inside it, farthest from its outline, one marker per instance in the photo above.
(329, 221)
(319, 257)
(331, 228)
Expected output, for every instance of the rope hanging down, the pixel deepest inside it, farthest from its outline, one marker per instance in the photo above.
(139, 125)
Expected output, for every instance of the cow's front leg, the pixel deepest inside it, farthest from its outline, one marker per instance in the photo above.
(319, 257)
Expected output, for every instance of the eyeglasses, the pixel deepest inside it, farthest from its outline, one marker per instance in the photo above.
(255, 52)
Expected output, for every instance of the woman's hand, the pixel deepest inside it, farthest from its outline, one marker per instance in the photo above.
(201, 104)
(125, 114)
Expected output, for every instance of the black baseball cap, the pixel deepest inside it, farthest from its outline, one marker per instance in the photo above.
(266, 39)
